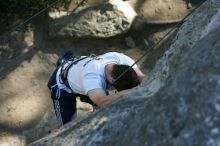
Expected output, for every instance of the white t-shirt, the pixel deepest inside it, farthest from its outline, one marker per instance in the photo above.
(89, 74)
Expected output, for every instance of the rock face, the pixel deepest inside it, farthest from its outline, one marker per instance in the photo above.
(162, 11)
(105, 20)
(179, 105)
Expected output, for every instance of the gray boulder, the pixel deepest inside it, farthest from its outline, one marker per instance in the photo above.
(101, 21)
(162, 11)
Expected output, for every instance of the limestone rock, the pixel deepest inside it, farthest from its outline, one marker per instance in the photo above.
(102, 21)
(162, 11)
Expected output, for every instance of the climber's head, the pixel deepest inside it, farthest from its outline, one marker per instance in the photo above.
(126, 81)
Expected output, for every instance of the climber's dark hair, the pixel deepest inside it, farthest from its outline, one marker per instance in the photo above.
(127, 80)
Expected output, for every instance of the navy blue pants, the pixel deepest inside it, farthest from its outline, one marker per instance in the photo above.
(64, 100)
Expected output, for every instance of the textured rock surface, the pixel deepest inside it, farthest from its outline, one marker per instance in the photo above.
(162, 11)
(178, 105)
(101, 21)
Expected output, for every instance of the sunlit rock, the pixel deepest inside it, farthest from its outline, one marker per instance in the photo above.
(162, 11)
(102, 21)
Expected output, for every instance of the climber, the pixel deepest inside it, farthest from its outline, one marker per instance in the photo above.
(89, 79)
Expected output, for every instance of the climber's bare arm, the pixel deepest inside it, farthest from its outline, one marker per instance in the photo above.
(99, 97)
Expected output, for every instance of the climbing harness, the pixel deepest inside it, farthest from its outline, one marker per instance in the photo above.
(65, 68)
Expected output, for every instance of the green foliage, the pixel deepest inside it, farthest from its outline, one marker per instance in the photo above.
(23, 6)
